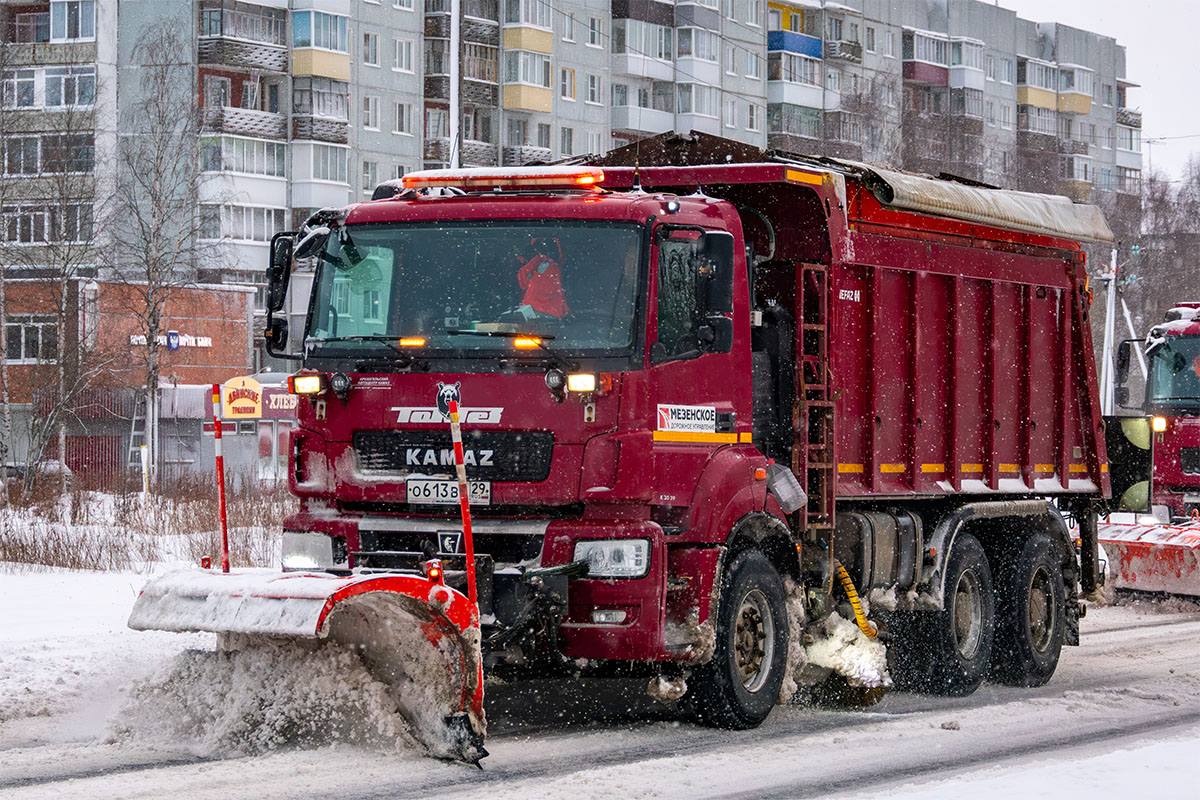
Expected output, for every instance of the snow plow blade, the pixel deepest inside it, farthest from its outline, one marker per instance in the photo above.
(418, 637)
(1153, 558)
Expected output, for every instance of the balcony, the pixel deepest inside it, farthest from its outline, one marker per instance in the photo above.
(245, 122)
(35, 54)
(847, 51)
(1130, 117)
(320, 129)
(1072, 147)
(641, 120)
(243, 54)
(474, 153)
(518, 155)
(791, 42)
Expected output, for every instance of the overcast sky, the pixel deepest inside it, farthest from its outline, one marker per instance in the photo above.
(1162, 56)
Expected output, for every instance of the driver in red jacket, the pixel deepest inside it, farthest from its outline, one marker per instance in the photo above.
(541, 280)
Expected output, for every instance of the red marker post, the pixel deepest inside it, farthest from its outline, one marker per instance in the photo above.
(464, 503)
(216, 399)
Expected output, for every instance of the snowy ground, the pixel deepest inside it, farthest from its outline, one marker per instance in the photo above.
(1121, 718)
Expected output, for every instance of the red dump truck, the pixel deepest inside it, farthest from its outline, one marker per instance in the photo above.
(693, 378)
(1156, 462)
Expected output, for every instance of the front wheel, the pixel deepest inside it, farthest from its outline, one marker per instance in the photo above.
(740, 684)
(1030, 613)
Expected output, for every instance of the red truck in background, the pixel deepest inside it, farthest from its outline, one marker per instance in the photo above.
(740, 375)
(1156, 462)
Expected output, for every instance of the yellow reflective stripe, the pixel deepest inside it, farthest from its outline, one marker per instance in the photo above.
(972, 467)
(1009, 468)
(892, 468)
(933, 468)
(850, 467)
(745, 437)
(1078, 468)
(693, 436)
(1043, 468)
(803, 177)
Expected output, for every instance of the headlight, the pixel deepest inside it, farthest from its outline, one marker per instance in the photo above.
(307, 550)
(1159, 424)
(306, 384)
(618, 558)
(581, 382)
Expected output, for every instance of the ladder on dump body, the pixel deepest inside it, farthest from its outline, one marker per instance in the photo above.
(137, 433)
(813, 459)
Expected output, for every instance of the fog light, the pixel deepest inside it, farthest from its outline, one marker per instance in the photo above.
(581, 382)
(555, 380)
(340, 383)
(306, 384)
(1159, 424)
(608, 617)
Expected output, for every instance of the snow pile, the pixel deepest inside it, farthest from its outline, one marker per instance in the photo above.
(269, 696)
(796, 658)
(839, 645)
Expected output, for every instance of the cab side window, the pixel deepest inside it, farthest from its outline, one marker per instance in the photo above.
(678, 310)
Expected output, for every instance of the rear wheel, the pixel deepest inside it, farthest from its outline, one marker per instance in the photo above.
(740, 684)
(947, 652)
(1030, 613)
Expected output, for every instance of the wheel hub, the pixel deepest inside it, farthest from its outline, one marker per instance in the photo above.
(1041, 609)
(968, 614)
(753, 640)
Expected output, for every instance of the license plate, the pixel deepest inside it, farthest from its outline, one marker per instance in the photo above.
(440, 492)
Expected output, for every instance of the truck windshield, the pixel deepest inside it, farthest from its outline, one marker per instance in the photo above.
(1175, 372)
(573, 282)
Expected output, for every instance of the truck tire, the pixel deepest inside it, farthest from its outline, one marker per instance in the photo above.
(740, 685)
(948, 652)
(1030, 613)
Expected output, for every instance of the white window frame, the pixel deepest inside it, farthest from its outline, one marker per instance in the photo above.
(403, 120)
(370, 112)
(370, 49)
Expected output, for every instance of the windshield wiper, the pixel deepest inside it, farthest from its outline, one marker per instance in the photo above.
(384, 340)
(556, 360)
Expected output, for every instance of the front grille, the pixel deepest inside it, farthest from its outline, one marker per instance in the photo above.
(490, 456)
(1189, 460)
(376, 547)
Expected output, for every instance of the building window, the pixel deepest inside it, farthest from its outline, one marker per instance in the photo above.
(1006, 116)
(406, 5)
(593, 89)
(248, 156)
(697, 43)
(1007, 70)
(72, 20)
(437, 123)
(595, 142)
(523, 66)
(31, 339)
(318, 29)
(923, 47)
(989, 112)
(620, 94)
(794, 68)
(989, 67)
(479, 62)
(594, 32)
(68, 152)
(22, 155)
(753, 65)
(566, 84)
(870, 43)
(70, 86)
(330, 163)
(370, 117)
(241, 223)
(833, 29)
(19, 88)
(1129, 139)
(370, 49)
(402, 55)
(1038, 74)
(527, 12)
(404, 121)
(731, 113)
(753, 117)
(322, 97)
(643, 38)
(695, 98)
(543, 135)
(568, 28)
(370, 176)
(753, 13)
(566, 141)
(730, 54)
(398, 171)
(518, 132)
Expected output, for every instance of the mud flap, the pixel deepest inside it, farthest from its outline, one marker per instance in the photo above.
(1153, 558)
(419, 637)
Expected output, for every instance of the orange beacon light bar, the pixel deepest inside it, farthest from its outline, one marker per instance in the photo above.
(515, 178)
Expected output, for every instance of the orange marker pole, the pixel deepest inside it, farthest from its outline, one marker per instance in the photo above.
(216, 400)
(464, 504)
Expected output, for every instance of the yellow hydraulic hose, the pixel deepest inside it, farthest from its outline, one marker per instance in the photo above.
(864, 625)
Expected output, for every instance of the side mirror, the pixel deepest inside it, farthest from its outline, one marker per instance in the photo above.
(1123, 354)
(715, 261)
(276, 335)
(280, 270)
(1121, 396)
